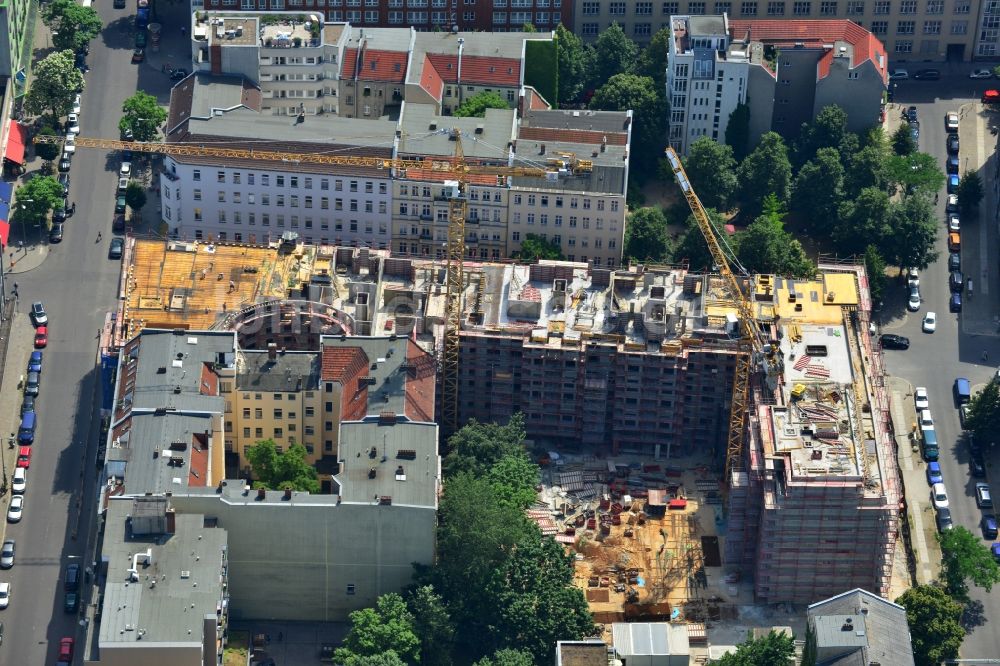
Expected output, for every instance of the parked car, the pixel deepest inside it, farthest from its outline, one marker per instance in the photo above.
(952, 144)
(38, 314)
(71, 602)
(66, 646)
(915, 131)
(63, 179)
(16, 509)
(913, 278)
(899, 75)
(927, 75)
(976, 468)
(951, 204)
(24, 457)
(962, 390)
(925, 418)
(126, 134)
(939, 496)
(913, 304)
(41, 340)
(27, 404)
(981, 74)
(35, 362)
(120, 205)
(893, 341)
(19, 482)
(71, 581)
(76, 103)
(56, 233)
(956, 281)
(943, 520)
(953, 183)
(7, 554)
(116, 248)
(73, 123)
(989, 525)
(125, 170)
(122, 185)
(954, 261)
(984, 500)
(955, 303)
(69, 143)
(31, 383)
(951, 121)
(951, 164)
(4, 595)
(934, 473)
(920, 399)
(929, 324)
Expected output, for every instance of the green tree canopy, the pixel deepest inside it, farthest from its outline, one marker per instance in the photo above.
(875, 268)
(653, 58)
(55, 81)
(143, 115)
(576, 62)
(534, 247)
(47, 151)
(281, 470)
(738, 131)
(866, 168)
(819, 189)
(970, 192)
(513, 478)
(387, 627)
(914, 235)
(692, 248)
(936, 631)
(863, 221)
(615, 54)
(983, 419)
(476, 105)
(476, 447)
(772, 650)
(649, 110)
(646, 237)
(507, 657)
(711, 168)
(765, 247)
(765, 171)
(827, 130)
(903, 142)
(135, 195)
(72, 24)
(965, 558)
(432, 624)
(917, 173)
(389, 658)
(35, 199)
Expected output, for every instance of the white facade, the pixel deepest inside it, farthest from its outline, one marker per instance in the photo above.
(253, 205)
(703, 88)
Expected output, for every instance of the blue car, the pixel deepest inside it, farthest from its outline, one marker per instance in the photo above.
(952, 183)
(989, 525)
(35, 362)
(934, 473)
(995, 548)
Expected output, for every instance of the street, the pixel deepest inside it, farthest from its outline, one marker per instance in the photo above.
(77, 283)
(935, 360)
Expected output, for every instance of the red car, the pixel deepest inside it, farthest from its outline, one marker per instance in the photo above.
(66, 649)
(24, 457)
(41, 336)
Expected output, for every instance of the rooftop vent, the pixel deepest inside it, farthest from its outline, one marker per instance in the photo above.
(848, 625)
(372, 472)
(406, 454)
(385, 500)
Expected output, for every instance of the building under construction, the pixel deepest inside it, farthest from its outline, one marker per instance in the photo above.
(602, 362)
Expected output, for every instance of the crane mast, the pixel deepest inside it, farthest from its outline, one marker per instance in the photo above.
(751, 345)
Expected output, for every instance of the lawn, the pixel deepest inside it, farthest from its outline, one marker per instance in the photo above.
(237, 649)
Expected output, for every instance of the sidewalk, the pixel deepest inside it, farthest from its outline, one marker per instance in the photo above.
(919, 513)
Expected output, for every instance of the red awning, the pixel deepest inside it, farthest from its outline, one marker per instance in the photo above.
(4, 233)
(17, 138)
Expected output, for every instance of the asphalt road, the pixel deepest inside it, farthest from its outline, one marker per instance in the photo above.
(78, 285)
(935, 360)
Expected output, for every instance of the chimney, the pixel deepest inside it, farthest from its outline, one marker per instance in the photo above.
(171, 522)
(288, 494)
(261, 494)
(272, 351)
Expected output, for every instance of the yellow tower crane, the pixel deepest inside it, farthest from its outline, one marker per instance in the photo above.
(754, 351)
(457, 168)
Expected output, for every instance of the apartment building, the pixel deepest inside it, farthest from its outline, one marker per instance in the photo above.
(16, 28)
(914, 30)
(423, 15)
(858, 626)
(205, 197)
(787, 72)
(582, 209)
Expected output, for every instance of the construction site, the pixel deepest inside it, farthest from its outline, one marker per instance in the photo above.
(626, 377)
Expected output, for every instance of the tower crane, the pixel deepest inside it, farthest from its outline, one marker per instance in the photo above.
(755, 354)
(457, 168)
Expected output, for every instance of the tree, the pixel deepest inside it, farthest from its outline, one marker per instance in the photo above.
(827, 130)
(966, 559)
(135, 196)
(387, 627)
(692, 248)
(765, 247)
(866, 168)
(476, 105)
(281, 470)
(772, 650)
(936, 631)
(476, 447)
(983, 418)
(142, 114)
(903, 142)
(863, 221)
(47, 151)
(388, 658)
(738, 131)
(653, 59)
(534, 247)
(970, 192)
(432, 624)
(914, 235)
(615, 54)
(55, 81)
(649, 110)
(646, 237)
(819, 189)
(711, 168)
(36, 198)
(529, 27)
(764, 171)
(917, 173)
(507, 657)
(72, 25)
(576, 62)
(875, 268)
(513, 478)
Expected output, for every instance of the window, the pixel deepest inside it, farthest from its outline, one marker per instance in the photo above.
(350, 588)
(642, 30)
(196, 195)
(670, 8)
(905, 28)
(222, 196)
(616, 8)
(696, 8)
(589, 29)
(880, 27)
(723, 8)
(882, 7)
(643, 9)
(855, 7)
(220, 176)
(748, 9)
(775, 8)
(258, 413)
(802, 8)
(904, 46)
(963, 6)
(196, 175)
(935, 6)
(932, 28)
(246, 412)
(908, 7)
(959, 27)
(987, 49)
(828, 8)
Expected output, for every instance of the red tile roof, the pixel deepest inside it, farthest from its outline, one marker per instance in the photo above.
(341, 363)
(430, 80)
(481, 70)
(420, 384)
(198, 470)
(573, 136)
(815, 33)
(375, 65)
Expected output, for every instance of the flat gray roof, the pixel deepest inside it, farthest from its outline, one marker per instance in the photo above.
(386, 356)
(710, 24)
(603, 179)
(170, 367)
(327, 129)
(287, 372)
(149, 452)
(595, 121)
(487, 138)
(170, 595)
(402, 454)
(879, 633)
